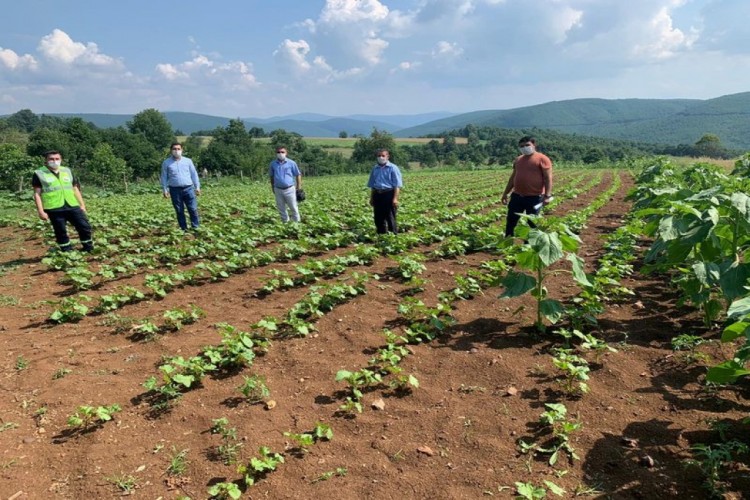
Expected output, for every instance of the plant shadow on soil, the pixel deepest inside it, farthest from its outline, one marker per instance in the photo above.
(67, 434)
(631, 464)
(488, 332)
(23, 261)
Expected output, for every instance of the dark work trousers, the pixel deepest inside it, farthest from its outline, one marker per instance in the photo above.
(78, 218)
(184, 196)
(518, 205)
(384, 211)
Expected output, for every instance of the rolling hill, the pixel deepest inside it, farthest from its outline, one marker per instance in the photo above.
(665, 121)
(306, 124)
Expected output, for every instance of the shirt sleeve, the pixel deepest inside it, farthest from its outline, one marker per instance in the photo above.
(296, 171)
(35, 182)
(76, 182)
(164, 176)
(545, 163)
(194, 176)
(397, 177)
(270, 170)
(371, 180)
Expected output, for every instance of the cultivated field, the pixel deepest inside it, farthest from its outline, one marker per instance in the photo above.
(319, 361)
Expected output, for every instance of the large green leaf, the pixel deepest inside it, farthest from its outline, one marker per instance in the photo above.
(735, 330)
(517, 284)
(578, 273)
(570, 242)
(741, 202)
(740, 307)
(186, 380)
(734, 277)
(551, 309)
(547, 246)
(528, 259)
(667, 229)
(707, 273)
(726, 372)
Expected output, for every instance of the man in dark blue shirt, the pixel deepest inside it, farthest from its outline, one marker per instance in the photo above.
(385, 185)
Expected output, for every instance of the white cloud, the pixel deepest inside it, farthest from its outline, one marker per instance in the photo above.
(12, 61)
(372, 50)
(348, 36)
(405, 66)
(347, 12)
(665, 39)
(446, 50)
(201, 70)
(170, 72)
(58, 47)
(292, 56)
(414, 55)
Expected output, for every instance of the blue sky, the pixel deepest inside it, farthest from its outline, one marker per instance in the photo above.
(263, 58)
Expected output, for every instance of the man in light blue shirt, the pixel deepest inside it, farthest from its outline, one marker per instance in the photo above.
(286, 180)
(179, 181)
(385, 185)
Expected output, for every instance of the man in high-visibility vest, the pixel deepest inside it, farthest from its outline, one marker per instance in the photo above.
(57, 194)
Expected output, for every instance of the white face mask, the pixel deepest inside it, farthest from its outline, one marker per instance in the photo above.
(382, 160)
(527, 150)
(281, 156)
(54, 164)
(177, 153)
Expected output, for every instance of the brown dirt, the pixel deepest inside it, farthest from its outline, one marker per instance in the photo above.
(462, 415)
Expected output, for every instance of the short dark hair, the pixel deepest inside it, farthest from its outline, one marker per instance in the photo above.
(175, 144)
(52, 152)
(281, 147)
(527, 138)
(383, 150)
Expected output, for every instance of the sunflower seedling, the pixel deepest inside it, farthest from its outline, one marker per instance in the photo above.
(87, 417)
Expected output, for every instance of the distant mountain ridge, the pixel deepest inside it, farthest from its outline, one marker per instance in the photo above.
(662, 121)
(306, 124)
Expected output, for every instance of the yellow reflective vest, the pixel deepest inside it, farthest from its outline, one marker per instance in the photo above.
(56, 189)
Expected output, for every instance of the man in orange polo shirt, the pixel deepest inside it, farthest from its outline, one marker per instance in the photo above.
(530, 184)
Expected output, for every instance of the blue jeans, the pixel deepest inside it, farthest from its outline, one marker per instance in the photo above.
(185, 197)
(518, 205)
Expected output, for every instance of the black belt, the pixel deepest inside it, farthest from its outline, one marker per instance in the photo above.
(182, 187)
(285, 187)
(381, 191)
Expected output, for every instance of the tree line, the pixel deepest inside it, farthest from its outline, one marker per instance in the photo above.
(114, 158)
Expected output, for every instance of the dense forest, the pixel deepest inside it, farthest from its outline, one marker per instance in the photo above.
(116, 157)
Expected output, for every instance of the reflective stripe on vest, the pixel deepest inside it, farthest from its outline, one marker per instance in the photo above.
(56, 190)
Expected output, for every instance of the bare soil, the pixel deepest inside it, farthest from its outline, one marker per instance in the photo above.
(482, 387)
